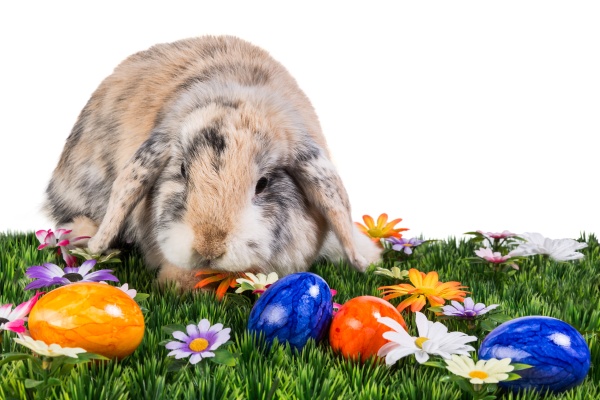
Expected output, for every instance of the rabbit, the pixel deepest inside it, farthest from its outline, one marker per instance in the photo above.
(205, 154)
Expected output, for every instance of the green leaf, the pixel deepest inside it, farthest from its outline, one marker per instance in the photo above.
(30, 383)
(223, 356)
(178, 365)
(141, 297)
(85, 357)
(519, 367)
(436, 309)
(436, 364)
(111, 261)
(487, 325)
(10, 357)
(53, 382)
(500, 318)
(512, 377)
(169, 329)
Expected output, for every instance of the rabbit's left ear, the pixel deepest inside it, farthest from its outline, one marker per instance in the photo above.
(315, 173)
(131, 185)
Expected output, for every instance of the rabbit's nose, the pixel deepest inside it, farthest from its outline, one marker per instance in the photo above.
(210, 242)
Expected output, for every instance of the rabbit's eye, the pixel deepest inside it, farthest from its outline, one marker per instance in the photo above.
(183, 170)
(261, 185)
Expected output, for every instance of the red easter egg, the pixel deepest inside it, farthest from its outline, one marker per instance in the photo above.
(355, 330)
(100, 318)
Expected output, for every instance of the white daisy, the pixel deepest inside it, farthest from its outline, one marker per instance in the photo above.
(53, 350)
(257, 283)
(485, 371)
(434, 339)
(557, 249)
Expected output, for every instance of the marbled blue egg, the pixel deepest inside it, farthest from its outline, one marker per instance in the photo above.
(294, 309)
(558, 353)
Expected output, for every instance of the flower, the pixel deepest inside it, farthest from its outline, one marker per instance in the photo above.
(433, 339)
(199, 342)
(485, 371)
(130, 292)
(47, 238)
(425, 287)
(383, 229)
(469, 310)
(14, 320)
(227, 279)
(404, 245)
(494, 257)
(557, 249)
(495, 235)
(53, 350)
(336, 306)
(257, 283)
(50, 274)
(394, 272)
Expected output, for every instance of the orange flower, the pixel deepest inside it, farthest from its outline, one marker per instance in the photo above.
(383, 229)
(426, 286)
(227, 280)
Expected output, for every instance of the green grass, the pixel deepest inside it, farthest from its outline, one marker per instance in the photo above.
(568, 291)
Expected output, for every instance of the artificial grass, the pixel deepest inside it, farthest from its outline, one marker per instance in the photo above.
(568, 291)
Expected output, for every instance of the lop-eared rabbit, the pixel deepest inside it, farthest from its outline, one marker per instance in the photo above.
(205, 153)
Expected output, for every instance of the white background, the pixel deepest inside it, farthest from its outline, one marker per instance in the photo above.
(453, 115)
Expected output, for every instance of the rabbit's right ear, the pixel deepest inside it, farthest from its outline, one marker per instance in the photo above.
(322, 185)
(132, 184)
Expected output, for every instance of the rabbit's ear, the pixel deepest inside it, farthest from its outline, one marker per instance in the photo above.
(132, 184)
(323, 187)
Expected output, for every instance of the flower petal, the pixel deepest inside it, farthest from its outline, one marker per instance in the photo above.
(87, 267)
(181, 336)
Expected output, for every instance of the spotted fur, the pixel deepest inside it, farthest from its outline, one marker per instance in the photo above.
(167, 154)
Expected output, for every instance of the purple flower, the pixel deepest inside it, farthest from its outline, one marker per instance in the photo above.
(199, 342)
(492, 256)
(467, 310)
(498, 235)
(51, 274)
(403, 244)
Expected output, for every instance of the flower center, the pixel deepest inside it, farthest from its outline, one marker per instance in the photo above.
(198, 345)
(419, 341)
(375, 232)
(73, 277)
(478, 374)
(470, 313)
(3, 321)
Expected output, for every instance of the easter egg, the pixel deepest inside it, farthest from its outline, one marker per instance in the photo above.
(354, 330)
(558, 354)
(294, 309)
(97, 317)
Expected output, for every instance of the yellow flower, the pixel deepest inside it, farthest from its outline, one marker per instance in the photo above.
(383, 229)
(425, 287)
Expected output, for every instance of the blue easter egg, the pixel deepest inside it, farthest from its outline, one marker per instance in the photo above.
(294, 309)
(558, 354)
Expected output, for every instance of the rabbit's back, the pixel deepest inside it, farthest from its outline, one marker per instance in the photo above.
(144, 92)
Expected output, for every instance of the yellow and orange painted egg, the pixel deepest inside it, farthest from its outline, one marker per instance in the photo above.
(355, 331)
(97, 317)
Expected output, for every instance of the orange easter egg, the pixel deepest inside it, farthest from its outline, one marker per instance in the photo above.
(355, 330)
(99, 318)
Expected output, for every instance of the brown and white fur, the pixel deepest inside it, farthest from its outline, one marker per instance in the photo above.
(205, 153)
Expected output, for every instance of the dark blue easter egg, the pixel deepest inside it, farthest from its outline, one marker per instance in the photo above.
(294, 309)
(558, 354)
